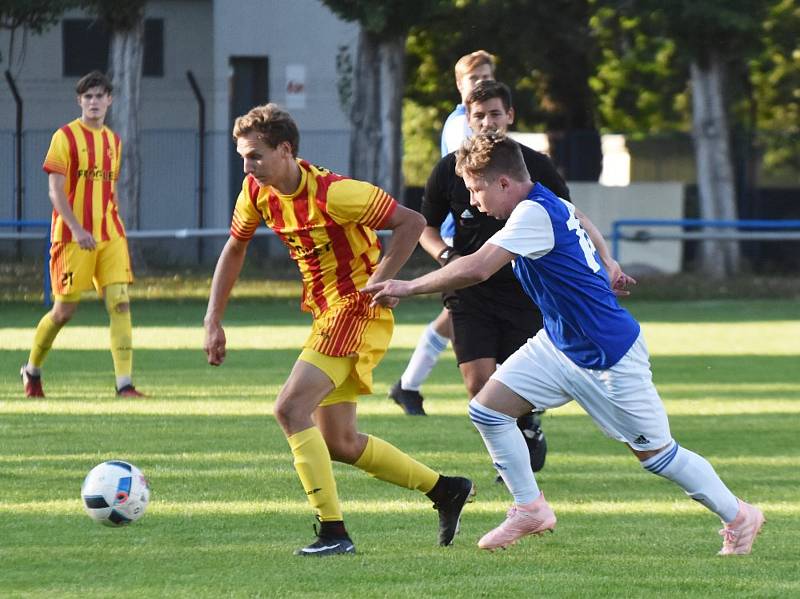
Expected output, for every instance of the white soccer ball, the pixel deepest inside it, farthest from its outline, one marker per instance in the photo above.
(115, 493)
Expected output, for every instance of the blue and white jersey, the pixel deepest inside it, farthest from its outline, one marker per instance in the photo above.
(455, 130)
(559, 269)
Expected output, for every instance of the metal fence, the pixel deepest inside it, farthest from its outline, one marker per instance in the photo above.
(169, 176)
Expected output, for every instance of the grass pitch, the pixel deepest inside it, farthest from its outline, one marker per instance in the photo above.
(227, 509)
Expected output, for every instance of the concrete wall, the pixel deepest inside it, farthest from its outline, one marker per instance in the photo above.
(166, 102)
(604, 205)
(201, 36)
(292, 33)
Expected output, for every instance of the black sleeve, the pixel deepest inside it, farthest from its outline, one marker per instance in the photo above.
(543, 171)
(435, 201)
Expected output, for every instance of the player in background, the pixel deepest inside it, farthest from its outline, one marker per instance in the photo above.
(482, 338)
(590, 349)
(328, 224)
(88, 245)
(470, 69)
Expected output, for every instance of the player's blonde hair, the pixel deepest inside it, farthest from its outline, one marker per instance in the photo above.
(272, 123)
(470, 62)
(489, 155)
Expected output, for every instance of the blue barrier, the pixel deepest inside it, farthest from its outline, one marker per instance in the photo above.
(37, 224)
(753, 230)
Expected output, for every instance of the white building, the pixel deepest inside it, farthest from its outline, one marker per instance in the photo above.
(241, 53)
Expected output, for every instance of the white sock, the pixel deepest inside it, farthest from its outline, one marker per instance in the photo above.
(123, 381)
(424, 358)
(509, 452)
(33, 370)
(697, 477)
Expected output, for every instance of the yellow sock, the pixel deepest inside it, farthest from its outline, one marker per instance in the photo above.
(46, 332)
(313, 464)
(385, 462)
(120, 328)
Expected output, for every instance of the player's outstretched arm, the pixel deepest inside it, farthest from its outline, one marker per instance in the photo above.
(226, 272)
(461, 273)
(617, 279)
(406, 226)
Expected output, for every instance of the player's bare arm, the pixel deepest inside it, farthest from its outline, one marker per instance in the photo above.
(618, 280)
(226, 272)
(465, 272)
(56, 183)
(406, 226)
(432, 242)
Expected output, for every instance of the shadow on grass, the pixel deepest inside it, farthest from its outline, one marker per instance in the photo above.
(250, 555)
(283, 311)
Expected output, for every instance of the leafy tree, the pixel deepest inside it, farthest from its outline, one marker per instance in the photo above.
(421, 128)
(775, 77)
(640, 81)
(546, 53)
(375, 98)
(125, 22)
(30, 15)
(713, 39)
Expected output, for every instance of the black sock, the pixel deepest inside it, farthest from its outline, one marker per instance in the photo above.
(334, 529)
(526, 422)
(439, 491)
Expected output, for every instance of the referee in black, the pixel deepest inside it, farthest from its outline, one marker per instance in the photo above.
(491, 320)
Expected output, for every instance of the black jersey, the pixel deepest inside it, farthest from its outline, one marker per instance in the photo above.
(445, 192)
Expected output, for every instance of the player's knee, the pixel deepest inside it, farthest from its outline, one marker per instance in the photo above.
(116, 297)
(289, 412)
(474, 382)
(473, 387)
(284, 412)
(62, 313)
(61, 318)
(657, 460)
(344, 448)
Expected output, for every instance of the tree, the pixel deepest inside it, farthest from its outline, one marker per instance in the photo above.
(776, 81)
(546, 53)
(30, 15)
(125, 22)
(640, 81)
(376, 104)
(715, 39)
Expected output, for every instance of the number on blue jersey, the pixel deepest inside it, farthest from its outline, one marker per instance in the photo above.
(574, 224)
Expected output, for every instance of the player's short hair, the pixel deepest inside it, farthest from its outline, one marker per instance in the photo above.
(488, 89)
(272, 123)
(93, 79)
(489, 155)
(470, 62)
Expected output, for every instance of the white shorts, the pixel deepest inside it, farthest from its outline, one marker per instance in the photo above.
(622, 400)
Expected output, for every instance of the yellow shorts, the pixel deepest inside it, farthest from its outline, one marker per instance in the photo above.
(74, 270)
(346, 342)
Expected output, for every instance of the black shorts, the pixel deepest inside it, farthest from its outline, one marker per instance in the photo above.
(491, 329)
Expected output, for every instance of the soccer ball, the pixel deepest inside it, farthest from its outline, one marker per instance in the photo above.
(115, 493)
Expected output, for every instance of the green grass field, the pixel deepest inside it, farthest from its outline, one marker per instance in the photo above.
(227, 509)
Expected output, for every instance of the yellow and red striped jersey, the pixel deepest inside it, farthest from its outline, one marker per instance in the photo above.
(328, 224)
(90, 160)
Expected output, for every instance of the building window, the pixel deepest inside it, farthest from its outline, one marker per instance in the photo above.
(153, 59)
(86, 43)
